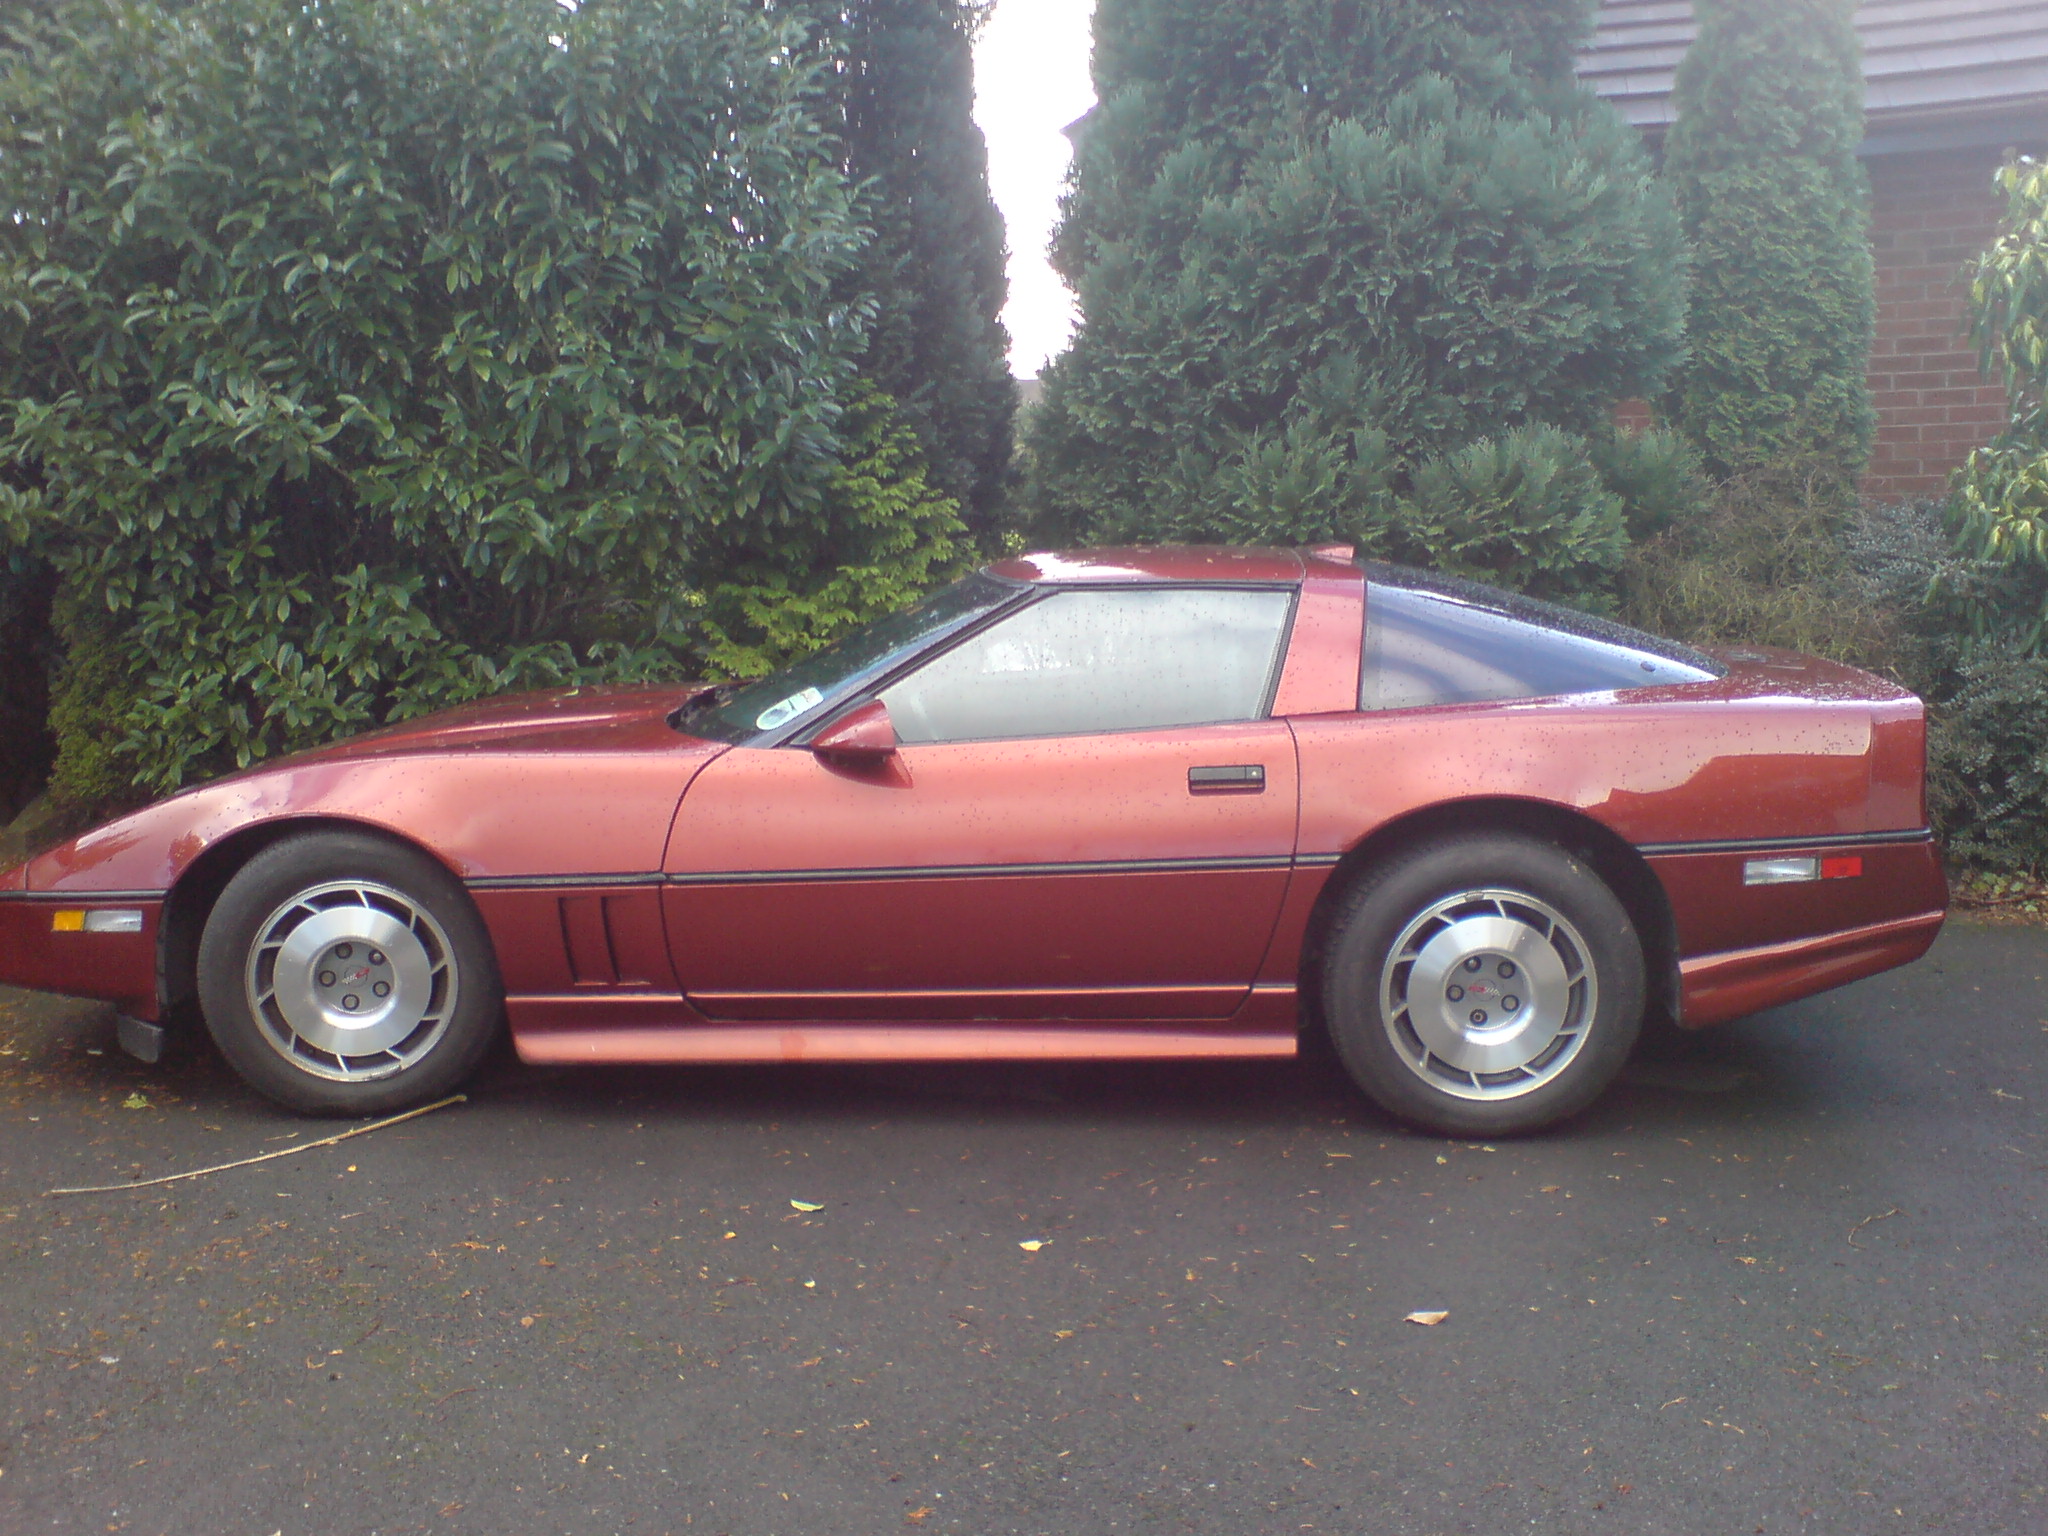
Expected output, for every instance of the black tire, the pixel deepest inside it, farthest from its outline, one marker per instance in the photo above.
(294, 954)
(1422, 952)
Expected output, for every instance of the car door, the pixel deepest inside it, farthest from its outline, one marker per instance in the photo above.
(1088, 816)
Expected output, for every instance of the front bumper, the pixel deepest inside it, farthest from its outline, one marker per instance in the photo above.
(39, 953)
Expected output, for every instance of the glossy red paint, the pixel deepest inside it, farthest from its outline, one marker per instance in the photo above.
(1158, 563)
(562, 784)
(1716, 912)
(1726, 986)
(1002, 870)
(863, 735)
(578, 940)
(915, 1040)
(653, 897)
(119, 967)
(1321, 674)
(1760, 754)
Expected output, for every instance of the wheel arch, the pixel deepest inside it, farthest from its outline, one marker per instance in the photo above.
(191, 898)
(1624, 870)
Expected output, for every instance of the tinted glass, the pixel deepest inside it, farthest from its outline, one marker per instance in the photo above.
(739, 712)
(1080, 662)
(1430, 641)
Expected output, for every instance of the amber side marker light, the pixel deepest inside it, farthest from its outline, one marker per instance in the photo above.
(104, 920)
(1802, 867)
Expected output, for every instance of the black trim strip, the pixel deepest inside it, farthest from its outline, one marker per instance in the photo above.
(82, 898)
(1774, 844)
(970, 871)
(559, 882)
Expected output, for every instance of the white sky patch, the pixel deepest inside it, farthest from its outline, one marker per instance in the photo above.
(1030, 81)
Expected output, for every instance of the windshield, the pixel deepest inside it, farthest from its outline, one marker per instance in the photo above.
(738, 712)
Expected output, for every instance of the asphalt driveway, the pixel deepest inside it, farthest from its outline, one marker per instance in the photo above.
(1794, 1281)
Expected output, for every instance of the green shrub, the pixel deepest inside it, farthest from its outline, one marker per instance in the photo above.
(1988, 759)
(1318, 246)
(1775, 204)
(1655, 473)
(1987, 745)
(1526, 510)
(1767, 564)
(912, 537)
(89, 698)
(2000, 508)
(361, 359)
(902, 97)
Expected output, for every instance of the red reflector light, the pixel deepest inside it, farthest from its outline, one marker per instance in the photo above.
(1846, 866)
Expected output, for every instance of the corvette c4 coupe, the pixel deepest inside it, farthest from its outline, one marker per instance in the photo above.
(1113, 804)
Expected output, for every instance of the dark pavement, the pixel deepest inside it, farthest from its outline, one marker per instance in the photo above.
(1793, 1281)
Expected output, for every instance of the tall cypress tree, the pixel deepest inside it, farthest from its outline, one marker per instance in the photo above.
(1763, 162)
(935, 270)
(1323, 245)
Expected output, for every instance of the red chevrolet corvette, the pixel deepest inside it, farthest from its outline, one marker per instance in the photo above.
(1119, 803)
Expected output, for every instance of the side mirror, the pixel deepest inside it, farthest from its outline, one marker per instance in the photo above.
(864, 735)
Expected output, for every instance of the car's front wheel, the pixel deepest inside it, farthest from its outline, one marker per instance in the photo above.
(1482, 986)
(344, 974)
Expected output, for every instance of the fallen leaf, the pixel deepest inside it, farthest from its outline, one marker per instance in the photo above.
(526, 1322)
(806, 1205)
(1550, 1189)
(1443, 1160)
(135, 1101)
(919, 1515)
(1033, 1244)
(1427, 1319)
(810, 1285)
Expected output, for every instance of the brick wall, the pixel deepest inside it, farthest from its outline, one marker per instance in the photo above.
(1930, 214)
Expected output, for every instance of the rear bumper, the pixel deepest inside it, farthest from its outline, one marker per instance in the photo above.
(1715, 988)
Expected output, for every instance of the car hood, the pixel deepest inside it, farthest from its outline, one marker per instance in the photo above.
(569, 782)
(558, 720)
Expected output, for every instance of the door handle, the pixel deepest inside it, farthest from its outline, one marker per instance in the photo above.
(1228, 779)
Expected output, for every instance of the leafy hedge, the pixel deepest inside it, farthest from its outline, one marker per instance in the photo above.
(1776, 210)
(1378, 272)
(2001, 502)
(359, 359)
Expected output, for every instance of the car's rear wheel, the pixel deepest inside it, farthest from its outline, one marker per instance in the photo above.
(1482, 986)
(343, 974)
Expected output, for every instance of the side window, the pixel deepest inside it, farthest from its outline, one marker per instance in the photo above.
(1084, 661)
(1430, 648)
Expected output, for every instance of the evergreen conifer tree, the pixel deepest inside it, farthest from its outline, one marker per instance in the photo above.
(1763, 163)
(1320, 245)
(934, 272)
